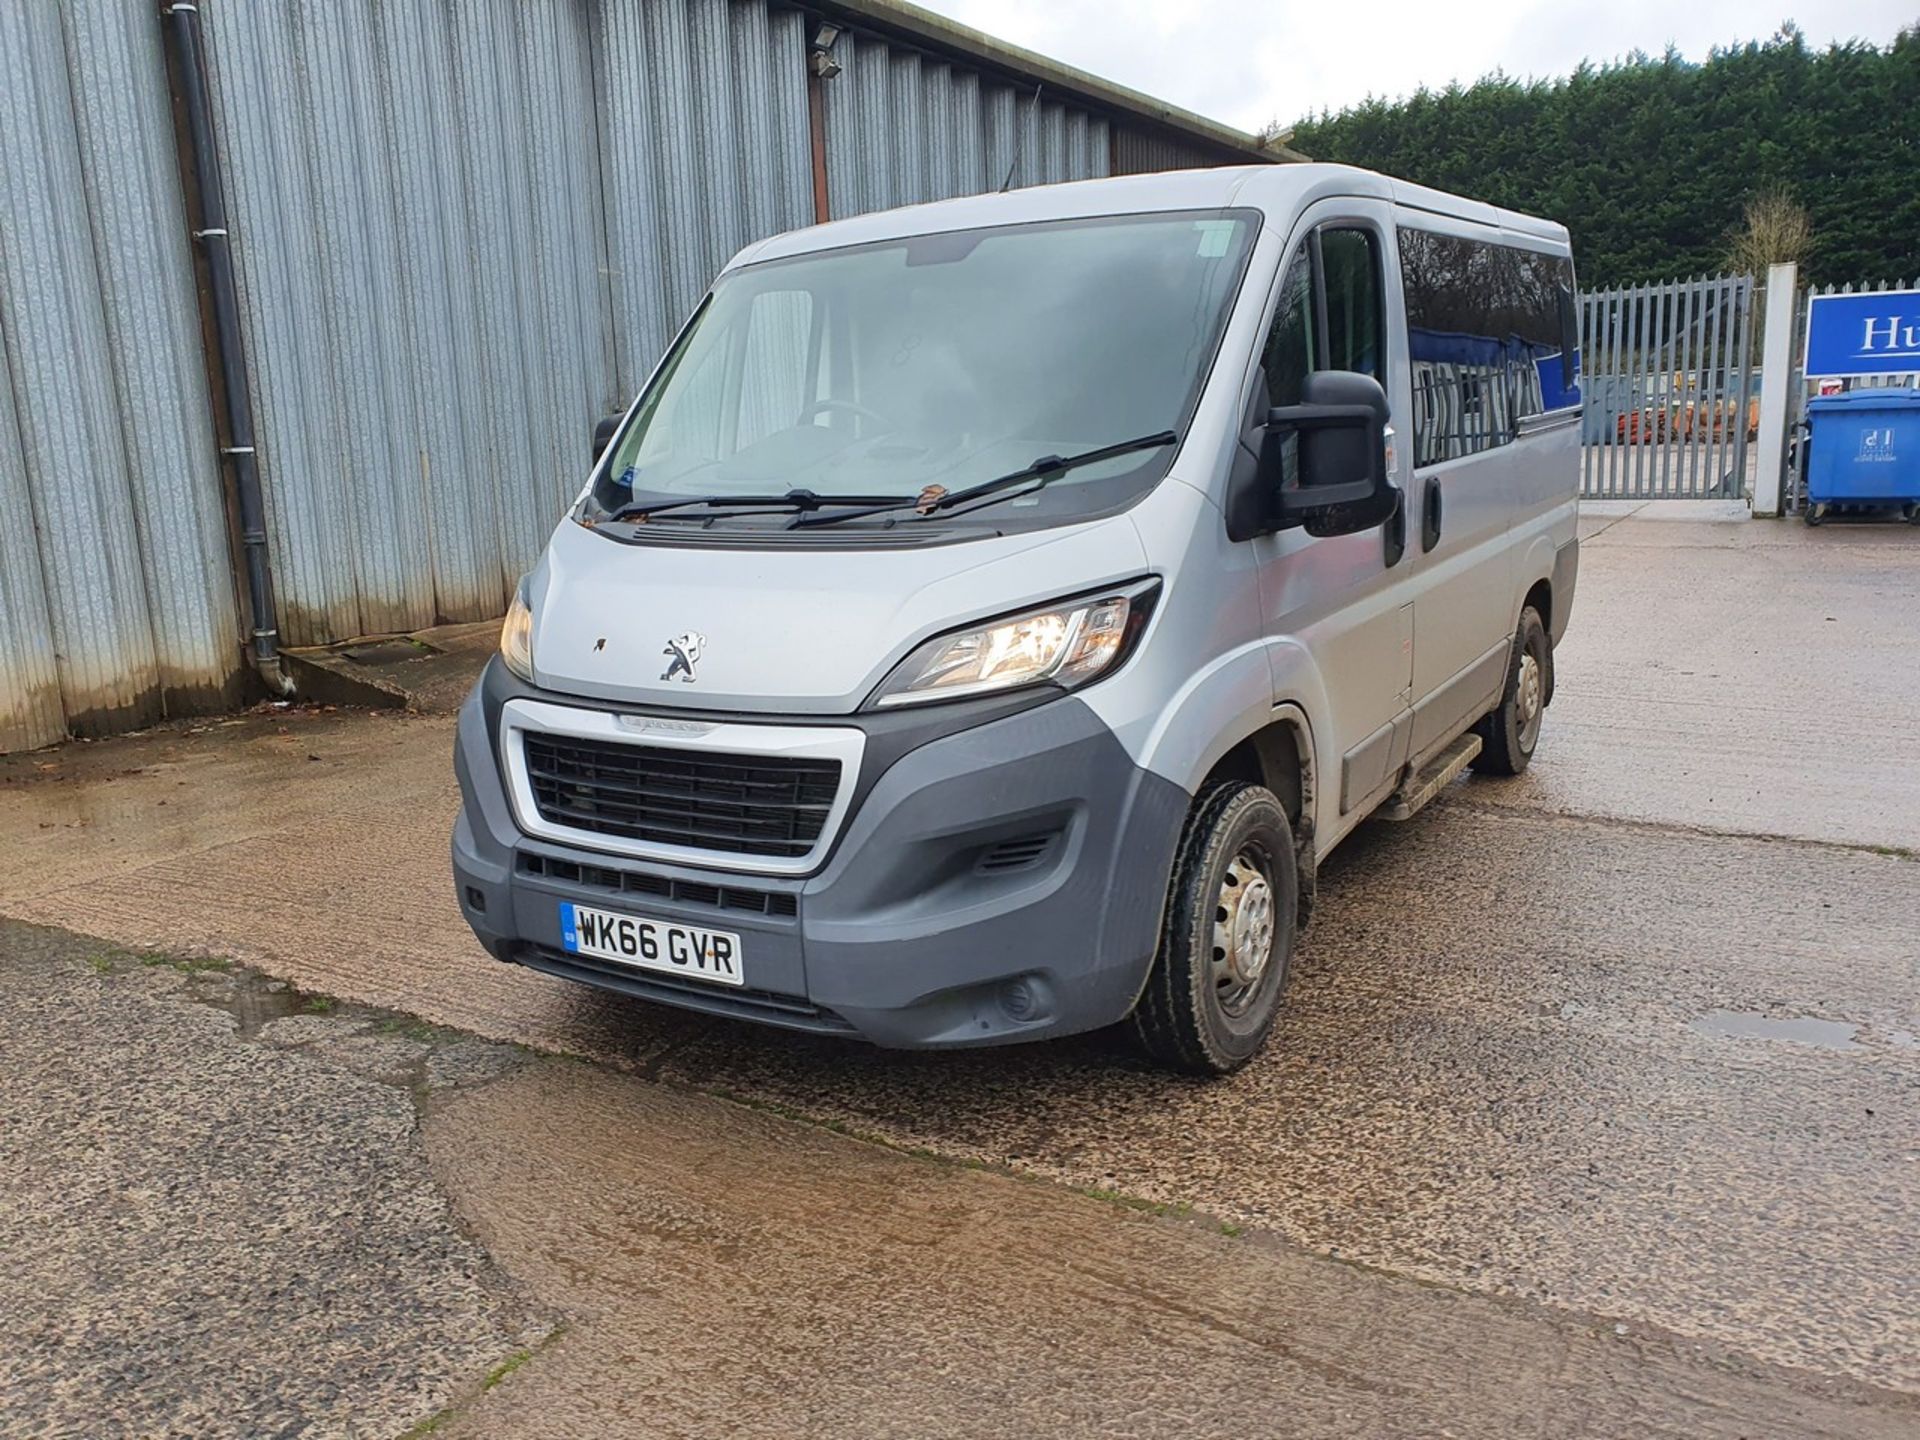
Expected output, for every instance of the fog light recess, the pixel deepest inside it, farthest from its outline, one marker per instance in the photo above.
(1025, 998)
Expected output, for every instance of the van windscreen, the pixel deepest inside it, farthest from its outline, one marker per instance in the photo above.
(878, 371)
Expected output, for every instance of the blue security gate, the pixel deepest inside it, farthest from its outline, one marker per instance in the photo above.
(1669, 402)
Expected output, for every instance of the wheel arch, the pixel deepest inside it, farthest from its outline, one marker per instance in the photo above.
(1279, 755)
(1539, 598)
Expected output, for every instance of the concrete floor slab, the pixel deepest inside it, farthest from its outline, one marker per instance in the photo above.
(1756, 677)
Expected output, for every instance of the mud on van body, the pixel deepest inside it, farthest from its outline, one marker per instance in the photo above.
(990, 612)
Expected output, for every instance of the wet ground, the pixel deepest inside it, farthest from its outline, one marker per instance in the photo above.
(233, 1208)
(1627, 1043)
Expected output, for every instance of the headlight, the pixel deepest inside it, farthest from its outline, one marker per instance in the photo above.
(1067, 644)
(516, 637)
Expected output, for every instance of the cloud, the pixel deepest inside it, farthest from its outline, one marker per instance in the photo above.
(1246, 62)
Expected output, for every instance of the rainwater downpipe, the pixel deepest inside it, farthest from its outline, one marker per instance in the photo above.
(821, 67)
(183, 35)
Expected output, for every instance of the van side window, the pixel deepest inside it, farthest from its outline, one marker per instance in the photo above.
(1486, 338)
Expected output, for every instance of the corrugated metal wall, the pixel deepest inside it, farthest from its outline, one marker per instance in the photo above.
(420, 253)
(1138, 151)
(439, 206)
(463, 231)
(904, 127)
(703, 149)
(116, 595)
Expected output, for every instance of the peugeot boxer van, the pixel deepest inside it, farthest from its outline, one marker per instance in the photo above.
(990, 613)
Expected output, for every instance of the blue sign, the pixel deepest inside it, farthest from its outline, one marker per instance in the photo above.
(1876, 332)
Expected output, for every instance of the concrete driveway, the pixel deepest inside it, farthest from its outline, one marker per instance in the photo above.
(1621, 1054)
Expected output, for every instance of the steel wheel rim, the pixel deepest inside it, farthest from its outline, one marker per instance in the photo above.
(1529, 699)
(1243, 932)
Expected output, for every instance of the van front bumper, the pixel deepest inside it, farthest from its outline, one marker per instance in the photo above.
(998, 883)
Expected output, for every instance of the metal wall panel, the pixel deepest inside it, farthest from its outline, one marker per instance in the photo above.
(125, 127)
(904, 127)
(116, 587)
(30, 711)
(420, 252)
(1137, 151)
(439, 315)
(703, 149)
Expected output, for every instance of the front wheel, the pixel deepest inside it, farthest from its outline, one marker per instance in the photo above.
(1511, 730)
(1227, 940)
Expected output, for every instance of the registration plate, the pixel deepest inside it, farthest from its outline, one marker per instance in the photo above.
(672, 949)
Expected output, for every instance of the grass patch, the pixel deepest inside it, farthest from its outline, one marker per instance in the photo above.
(319, 1005)
(437, 1421)
(505, 1368)
(429, 1425)
(1176, 1209)
(99, 964)
(1894, 852)
(406, 1027)
(1231, 1230)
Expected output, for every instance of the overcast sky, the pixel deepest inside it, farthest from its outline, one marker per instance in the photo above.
(1250, 61)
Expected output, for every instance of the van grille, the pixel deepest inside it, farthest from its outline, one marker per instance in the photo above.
(701, 800)
(637, 882)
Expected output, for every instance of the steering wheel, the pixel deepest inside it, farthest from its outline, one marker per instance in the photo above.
(847, 407)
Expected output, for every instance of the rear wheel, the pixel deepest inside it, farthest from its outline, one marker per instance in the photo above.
(1227, 940)
(1511, 730)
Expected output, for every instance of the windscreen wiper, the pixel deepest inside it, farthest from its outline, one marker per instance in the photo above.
(804, 501)
(1042, 472)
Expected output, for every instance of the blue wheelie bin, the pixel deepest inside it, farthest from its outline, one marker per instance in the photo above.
(1863, 452)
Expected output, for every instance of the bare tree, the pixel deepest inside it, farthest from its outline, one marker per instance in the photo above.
(1774, 231)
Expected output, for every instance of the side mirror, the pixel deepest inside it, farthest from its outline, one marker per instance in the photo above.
(603, 433)
(1339, 481)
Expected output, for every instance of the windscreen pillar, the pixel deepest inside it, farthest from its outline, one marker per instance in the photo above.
(1777, 371)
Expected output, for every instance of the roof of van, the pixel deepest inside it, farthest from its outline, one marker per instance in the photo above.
(1278, 191)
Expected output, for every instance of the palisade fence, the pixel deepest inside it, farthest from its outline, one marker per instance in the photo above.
(1669, 389)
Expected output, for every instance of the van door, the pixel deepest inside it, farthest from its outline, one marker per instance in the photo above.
(1461, 309)
(1338, 615)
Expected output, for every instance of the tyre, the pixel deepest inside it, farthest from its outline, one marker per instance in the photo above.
(1226, 942)
(1510, 731)
(1815, 514)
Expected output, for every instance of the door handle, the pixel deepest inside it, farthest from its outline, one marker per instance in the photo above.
(1393, 534)
(1430, 516)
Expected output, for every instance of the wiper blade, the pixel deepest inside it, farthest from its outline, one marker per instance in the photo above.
(804, 501)
(1039, 474)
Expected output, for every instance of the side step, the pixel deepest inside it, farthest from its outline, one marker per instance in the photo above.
(1417, 789)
